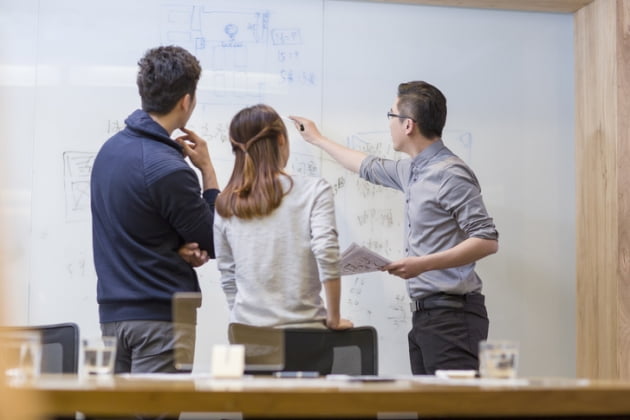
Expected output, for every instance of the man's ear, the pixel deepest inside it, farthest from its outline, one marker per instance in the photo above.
(409, 126)
(186, 102)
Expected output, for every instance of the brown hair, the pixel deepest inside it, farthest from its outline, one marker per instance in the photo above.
(255, 188)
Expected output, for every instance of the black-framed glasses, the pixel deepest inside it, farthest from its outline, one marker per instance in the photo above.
(391, 115)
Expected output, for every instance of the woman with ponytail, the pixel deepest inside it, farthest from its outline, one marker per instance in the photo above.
(275, 234)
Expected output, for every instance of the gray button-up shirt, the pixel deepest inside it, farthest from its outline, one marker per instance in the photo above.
(443, 207)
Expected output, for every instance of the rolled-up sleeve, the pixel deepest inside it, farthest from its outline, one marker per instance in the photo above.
(460, 194)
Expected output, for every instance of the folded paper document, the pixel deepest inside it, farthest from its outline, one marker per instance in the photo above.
(359, 259)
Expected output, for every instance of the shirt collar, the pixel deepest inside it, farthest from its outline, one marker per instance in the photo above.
(141, 122)
(422, 158)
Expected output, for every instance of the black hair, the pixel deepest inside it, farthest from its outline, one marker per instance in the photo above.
(425, 104)
(166, 74)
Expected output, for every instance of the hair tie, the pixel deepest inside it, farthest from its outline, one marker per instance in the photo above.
(239, 145)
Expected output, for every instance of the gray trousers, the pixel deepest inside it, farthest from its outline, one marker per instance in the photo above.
(152, 346)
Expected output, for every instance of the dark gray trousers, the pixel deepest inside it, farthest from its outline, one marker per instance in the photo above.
(448, 337)
(150, 346)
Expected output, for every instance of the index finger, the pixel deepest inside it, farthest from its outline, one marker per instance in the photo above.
(296, 121)
(189, 135)
(183, 142)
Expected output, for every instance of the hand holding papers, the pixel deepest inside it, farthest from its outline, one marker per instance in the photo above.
(358, 259)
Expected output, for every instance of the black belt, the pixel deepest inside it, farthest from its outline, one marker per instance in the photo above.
(439, 300)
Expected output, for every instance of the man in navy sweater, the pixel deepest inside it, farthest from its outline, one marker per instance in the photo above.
(151, 223)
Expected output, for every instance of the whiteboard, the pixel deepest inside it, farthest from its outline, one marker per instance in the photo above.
(67, 82)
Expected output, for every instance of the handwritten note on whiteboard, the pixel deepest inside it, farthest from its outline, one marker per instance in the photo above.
(359, 259)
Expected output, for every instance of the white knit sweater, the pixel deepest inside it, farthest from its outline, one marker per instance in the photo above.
(272, 267)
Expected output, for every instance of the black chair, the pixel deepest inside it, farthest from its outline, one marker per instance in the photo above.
(60, 346)
(268, 350)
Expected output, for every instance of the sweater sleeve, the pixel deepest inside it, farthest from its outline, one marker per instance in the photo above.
(179, 200)
(324, 237)
(225, 261)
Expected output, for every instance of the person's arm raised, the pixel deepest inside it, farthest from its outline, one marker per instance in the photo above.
(348, 158)
(196, 149)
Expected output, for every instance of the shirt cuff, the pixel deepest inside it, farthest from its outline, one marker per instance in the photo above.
(210, 195)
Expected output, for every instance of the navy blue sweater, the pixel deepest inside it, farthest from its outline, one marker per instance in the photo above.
(146, 203)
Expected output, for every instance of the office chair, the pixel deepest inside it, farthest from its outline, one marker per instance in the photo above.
(267, 350)
(184, 312)
(60, 346)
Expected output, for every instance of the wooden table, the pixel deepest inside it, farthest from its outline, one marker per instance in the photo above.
(311, 398)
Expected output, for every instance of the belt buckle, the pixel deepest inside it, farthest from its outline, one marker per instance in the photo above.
(415, 305)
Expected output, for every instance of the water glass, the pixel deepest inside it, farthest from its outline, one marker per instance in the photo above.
(498, 359)
(99, 355)
(22, 354)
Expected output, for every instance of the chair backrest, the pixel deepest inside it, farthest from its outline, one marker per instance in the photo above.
(184, 313)
(352, 352)
(60, 346)
(264, 347)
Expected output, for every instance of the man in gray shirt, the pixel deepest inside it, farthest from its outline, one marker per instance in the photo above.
(447, 228)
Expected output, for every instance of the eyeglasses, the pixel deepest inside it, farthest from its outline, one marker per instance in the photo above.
(391, 115)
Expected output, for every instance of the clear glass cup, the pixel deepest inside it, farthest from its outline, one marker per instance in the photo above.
(498, 359)
(99, 355)
(22, 353)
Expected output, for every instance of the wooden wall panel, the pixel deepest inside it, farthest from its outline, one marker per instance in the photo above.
(603, 205)
(566, 6)
(623, 168)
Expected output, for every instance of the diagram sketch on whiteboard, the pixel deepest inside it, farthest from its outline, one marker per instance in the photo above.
(304, 164)
(245, 56)
(77, 170)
